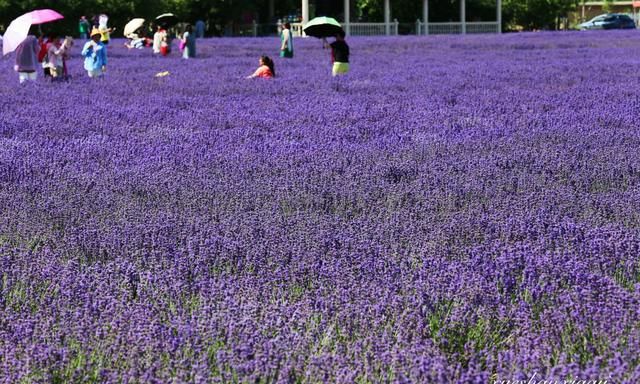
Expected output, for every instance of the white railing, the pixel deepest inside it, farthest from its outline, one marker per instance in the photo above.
(377, 29)
(372, 29)
(483, 27)
(367, 29)
(296, 28)
(358, 29)
(443, 28)
(457, 27)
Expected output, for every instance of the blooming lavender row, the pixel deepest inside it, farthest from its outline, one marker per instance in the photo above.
(460, 210)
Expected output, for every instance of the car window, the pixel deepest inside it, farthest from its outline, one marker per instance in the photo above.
(625, 18)
(610, 18)
(599, 18)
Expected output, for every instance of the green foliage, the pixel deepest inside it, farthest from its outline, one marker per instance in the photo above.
(411, 10)
(535, 14)
(627, 276)
(216, 12)
(525, 14)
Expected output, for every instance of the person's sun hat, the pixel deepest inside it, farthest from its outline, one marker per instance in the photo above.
(94, 32)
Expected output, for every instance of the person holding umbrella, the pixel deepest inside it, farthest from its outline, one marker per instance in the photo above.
(136, 41)
(157, 39)
(17, 35)
(95, 55)
(27, 59)
(322, 27)
(162, 39)
(161, 42)
(131, 30)
(339, 54)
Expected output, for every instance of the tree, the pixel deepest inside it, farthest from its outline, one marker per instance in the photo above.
(536, 14)
(528, 14)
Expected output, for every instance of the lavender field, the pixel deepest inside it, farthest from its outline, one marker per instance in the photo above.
(460, 210)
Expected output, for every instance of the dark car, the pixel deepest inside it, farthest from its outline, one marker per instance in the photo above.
(609, 21)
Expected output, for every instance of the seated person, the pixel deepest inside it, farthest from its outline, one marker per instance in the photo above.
(135, 41)
(266, 69)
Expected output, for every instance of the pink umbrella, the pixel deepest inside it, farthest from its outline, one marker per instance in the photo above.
(19, 28)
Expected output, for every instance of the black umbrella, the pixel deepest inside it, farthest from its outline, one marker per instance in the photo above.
(167, 20)
(322, 27)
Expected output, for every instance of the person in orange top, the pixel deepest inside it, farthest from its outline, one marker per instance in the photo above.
(266, 69)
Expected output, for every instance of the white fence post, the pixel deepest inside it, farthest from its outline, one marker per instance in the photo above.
(305, 11)
(499, 15)
(347, 17)
(381, 29)
(297, 30)
(425, 16)
(463, 16)
(387, 17)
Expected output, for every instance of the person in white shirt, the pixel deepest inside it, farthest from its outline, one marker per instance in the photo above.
(55, 57)
(160, 41)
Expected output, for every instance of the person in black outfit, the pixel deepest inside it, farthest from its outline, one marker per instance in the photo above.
(339, 55)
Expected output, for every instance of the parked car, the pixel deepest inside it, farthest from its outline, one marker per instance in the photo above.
(609, 21)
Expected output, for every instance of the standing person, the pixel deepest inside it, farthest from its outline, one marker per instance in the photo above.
(200, 27)
(55, 57)
(83, 28)
(286, 41)
(266, 70)
(68, 42)
(27, 59)
(339, 55)
(95, 55)
(165, 44)
(157, 39)
(105, 32)
(161, 42)
(189, 43)
(43, 57)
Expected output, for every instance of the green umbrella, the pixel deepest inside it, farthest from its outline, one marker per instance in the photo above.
(322, 27)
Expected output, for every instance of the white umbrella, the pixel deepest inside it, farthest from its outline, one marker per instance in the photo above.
(132, 26)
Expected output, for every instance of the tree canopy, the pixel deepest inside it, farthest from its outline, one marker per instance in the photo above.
(528, 14)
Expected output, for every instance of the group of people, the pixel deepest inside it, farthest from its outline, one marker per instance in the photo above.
(339, 54)
(99, 23)
(53, 53)
(161, 42)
